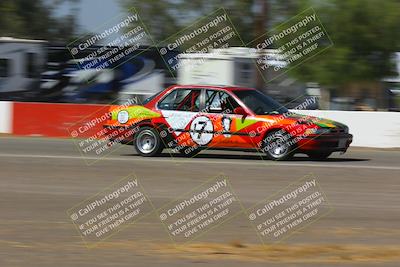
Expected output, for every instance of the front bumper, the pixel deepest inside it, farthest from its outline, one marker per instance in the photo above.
(326, 142)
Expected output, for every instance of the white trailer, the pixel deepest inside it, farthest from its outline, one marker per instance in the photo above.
(21, 63)
(228, 66)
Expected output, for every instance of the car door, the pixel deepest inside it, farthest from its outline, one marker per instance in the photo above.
(219, 109)
(179, 108)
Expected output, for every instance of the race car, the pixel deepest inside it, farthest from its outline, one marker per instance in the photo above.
(191, 118)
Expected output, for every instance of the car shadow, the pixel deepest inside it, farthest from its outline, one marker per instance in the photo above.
(205, 155)
(330, 159)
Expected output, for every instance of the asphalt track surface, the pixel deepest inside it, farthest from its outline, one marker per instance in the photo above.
(40, 179)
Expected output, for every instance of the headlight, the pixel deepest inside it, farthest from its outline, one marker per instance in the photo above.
(123, 116)
(317, 131)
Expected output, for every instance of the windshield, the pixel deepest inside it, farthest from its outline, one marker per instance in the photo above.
(259, 103)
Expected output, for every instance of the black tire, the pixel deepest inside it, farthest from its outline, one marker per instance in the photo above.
(277, 145)
(319, 155)
(189, 152)
(148, 142)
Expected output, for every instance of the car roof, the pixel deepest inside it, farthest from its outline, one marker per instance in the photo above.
(223, 87)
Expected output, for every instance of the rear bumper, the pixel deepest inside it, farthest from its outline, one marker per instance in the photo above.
(330, 143)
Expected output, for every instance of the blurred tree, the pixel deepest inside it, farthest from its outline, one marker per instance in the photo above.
(282, 10)
(166, 17)
(35, 19)
(159, 16)
(365, 34)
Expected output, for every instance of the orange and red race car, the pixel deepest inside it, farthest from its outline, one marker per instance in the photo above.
(188, 119)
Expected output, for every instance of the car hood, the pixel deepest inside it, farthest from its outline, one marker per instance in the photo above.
(298, 118)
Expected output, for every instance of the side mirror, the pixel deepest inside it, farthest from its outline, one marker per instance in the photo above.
(240, 111)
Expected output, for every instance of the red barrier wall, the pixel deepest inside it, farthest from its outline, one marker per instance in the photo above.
(57, 120)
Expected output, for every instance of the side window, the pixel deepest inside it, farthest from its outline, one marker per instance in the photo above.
(4, 67)
(30, 65)
(219, 102)
(182, 100)
(245, 72)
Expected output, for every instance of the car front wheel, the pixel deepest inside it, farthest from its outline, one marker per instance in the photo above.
(148, 142)
(277, 146)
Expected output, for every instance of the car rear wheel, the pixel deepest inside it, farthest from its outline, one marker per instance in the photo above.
(319, 155)
(148, 142)
(277, 146)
